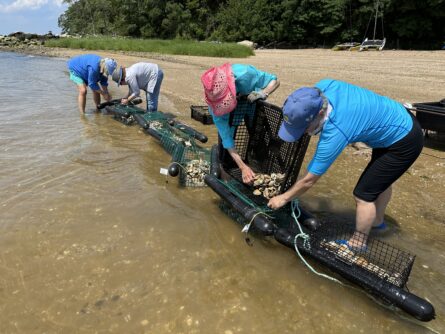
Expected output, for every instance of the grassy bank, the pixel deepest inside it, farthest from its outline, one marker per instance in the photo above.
(173, 47)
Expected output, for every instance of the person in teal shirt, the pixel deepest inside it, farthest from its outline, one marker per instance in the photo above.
(344, 113)
(222, 85)
(92, 71)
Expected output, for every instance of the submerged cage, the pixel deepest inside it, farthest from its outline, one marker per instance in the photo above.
(377, 258)
(256, 138)
(124, 113)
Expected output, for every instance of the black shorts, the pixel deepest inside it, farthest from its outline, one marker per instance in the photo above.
(389, 163)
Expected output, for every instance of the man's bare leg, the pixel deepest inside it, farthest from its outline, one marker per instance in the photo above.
(381, 204)
(82, 98)
(96, 99)
(365, 216)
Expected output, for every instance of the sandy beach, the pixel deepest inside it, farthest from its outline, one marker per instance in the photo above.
(95, 239)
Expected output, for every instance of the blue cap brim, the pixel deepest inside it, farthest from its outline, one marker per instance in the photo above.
(289, 133)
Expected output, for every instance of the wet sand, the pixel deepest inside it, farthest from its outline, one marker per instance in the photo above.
(101, 243)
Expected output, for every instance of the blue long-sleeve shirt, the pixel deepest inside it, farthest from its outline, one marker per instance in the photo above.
(358, 115)
(247, 79)
(87, 67)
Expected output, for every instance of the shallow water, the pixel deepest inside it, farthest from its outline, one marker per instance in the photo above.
(94, 240)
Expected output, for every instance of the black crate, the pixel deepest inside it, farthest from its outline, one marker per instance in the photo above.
(201, 114)
(257, 142)
(431, 115)
(377, 259)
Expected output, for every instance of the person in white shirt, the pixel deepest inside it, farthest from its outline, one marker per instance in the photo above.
(145, 76)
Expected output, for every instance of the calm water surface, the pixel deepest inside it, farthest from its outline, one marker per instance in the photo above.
(94, 240)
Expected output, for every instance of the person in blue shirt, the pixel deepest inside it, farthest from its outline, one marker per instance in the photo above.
(344, 113)
(222, 85)
(92, 71)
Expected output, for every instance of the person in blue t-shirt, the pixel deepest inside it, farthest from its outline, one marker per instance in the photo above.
(344, 113)
(222, 85)
(92, 71)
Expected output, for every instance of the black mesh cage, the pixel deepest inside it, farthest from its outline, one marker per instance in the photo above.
(376, 258)
(256, 138)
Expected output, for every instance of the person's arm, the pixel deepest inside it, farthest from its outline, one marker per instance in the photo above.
(93, 78)
(247, 173)
(298, 189)
(264, 85)
(133, 89)
(271, 87)
(226, 134)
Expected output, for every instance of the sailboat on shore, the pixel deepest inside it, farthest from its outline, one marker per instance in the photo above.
(373, 44)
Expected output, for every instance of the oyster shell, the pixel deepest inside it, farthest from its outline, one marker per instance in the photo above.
(196, 170)
(267, 185)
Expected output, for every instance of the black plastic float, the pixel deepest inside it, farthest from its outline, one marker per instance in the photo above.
(403, 299)
(260, 222)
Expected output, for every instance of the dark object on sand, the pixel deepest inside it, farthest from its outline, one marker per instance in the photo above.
(201, 114)
(431, 115)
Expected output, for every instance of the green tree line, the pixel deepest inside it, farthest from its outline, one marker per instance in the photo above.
(288, 23)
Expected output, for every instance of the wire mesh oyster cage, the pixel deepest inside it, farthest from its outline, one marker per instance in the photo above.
(376, 258)
(169, 136)
(124, 113)
(195, 163)
(201, 114)
(256, 139)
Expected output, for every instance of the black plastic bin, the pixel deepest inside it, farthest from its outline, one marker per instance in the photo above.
(431, 115)
(201, 114)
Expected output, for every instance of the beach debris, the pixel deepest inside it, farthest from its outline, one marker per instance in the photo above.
(196, 170)
(267, 185)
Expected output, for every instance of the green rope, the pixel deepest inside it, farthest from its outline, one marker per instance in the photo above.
(306, 244)
(245, 199)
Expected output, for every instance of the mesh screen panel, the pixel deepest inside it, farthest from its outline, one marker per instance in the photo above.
(255, 128)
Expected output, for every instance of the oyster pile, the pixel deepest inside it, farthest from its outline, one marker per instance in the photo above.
(267, 185)
(155, 125)
(196, 170)
(343, 252)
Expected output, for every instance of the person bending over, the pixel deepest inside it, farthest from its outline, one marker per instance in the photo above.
(222, 85)
(92, 71)
(145, 76)
(344, 113)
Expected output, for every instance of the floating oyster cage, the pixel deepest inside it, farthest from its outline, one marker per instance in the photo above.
(201, 114)
(257, 142)
(124, 113)
(431, 115)
(195, 164)
(377, 258)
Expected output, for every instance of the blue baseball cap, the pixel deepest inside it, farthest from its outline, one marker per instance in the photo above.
(117, 75)
(110, 65)
(299, 110)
